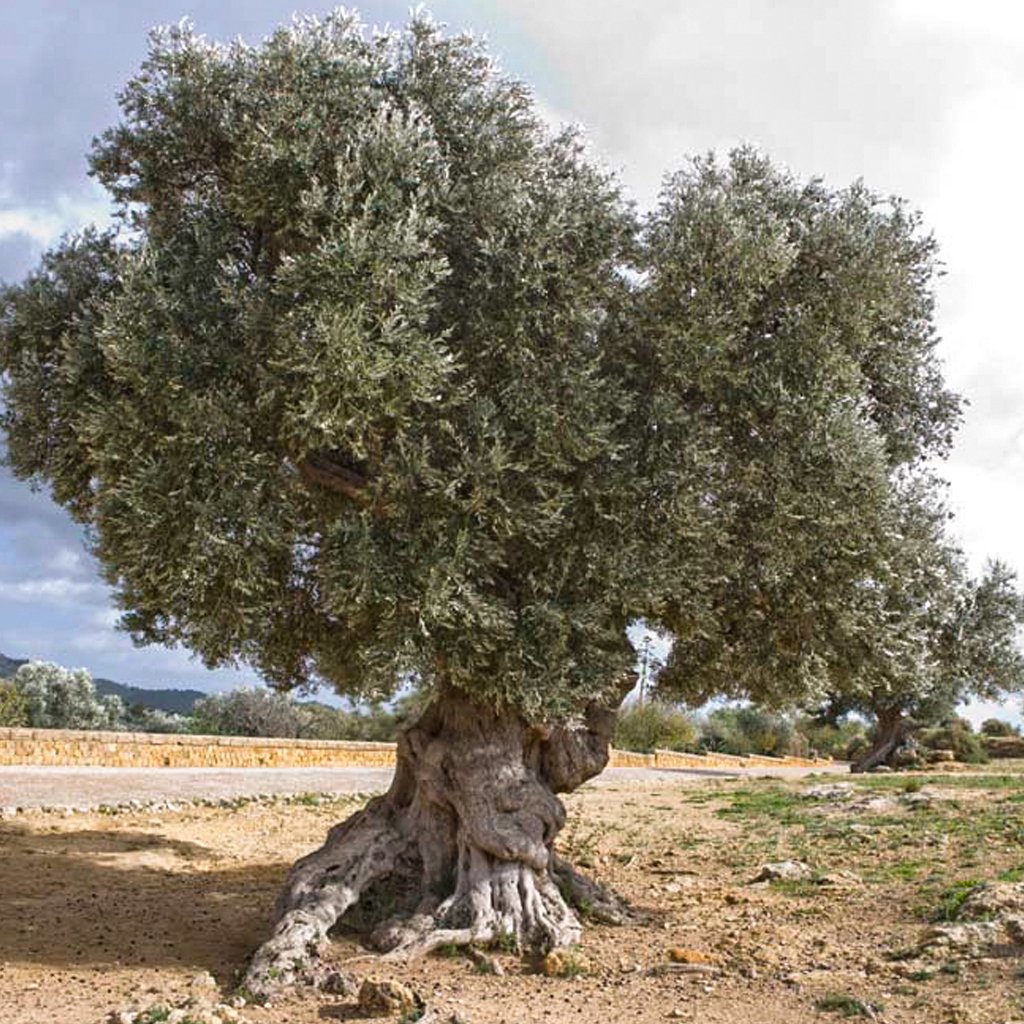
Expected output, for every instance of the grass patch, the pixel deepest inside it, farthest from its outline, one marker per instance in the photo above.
(952, 898)
(796, 887)
(848, 1006)
(899, 871)
(782, 805)
(903, 784)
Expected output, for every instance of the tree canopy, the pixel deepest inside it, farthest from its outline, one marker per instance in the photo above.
(53, 697)
(378, 379)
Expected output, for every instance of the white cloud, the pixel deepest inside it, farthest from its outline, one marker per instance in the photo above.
(44, 224)
(69, 562)
(54, 589)
(992, 21)
(977, 711)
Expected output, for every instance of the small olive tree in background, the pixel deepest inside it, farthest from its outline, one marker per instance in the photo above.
(998, 727)
(944, 637)
(653, 725)
(13, 710)
(61, 698)
(248, 712)
(382, 383)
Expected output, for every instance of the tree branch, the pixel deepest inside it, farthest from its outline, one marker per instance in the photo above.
(323, 469)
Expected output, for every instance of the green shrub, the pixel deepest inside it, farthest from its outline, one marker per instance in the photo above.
(997, 727)
(748, 730)
(955, 734)
(655, 725)
(827, 740)
(13, 709)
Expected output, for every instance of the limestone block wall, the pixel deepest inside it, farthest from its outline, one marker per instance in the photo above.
(630, 759)
(675, 759)
(158, 750)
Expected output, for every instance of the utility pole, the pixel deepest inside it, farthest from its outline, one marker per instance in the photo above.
(645, 658)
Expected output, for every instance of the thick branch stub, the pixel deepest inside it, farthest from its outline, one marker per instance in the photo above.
(321, 469)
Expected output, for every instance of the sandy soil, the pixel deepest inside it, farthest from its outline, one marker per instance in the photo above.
(81, 787)
(100, 912)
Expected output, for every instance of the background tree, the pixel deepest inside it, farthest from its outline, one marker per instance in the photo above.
(941, 636)
(655, 726)
(248, 712)
(382, 382)
(749, 730)
(13, 711)
(998, 727)
(60, 698)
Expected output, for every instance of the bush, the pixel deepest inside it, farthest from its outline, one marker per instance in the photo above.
(748, 730)
(376, 724)
(247, 712)
(857, 748)
(997, 727)
(13, 709)
(827, 740)
(61, 698)
(954, 734)
(646, 727)
(261, 712)
(140, 718)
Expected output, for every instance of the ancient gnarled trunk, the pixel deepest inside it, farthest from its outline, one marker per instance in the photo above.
(467, 828)
(891, 731)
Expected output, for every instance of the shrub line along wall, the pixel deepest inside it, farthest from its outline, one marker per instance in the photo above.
(173, 750)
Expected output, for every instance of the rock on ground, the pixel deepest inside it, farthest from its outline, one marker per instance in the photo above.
(990, 920)
(784, 871)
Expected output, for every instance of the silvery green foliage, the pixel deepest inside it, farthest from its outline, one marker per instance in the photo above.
(369, 248)
(940, 636)
(62, 698)
(142, 719)
(248, 712)
(789, 347)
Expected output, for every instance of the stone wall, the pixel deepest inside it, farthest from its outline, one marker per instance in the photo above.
(675, 759)
(630, 759)
(160, 750)
(1004, 746)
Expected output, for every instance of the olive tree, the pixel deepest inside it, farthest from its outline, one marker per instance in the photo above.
(53, 697)
(945, 638)
(379, 383)
(248, 712)
(13, 712)
(939, 636)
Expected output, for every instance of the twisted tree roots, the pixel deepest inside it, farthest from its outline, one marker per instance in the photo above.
(464, 834)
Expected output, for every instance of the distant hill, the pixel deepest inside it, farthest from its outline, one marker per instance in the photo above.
(8, 666)
(177, 701)
(180, 702)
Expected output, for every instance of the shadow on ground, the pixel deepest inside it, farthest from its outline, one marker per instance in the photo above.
(125, 898)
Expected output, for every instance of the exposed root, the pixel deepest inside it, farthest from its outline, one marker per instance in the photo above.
(319, 889)
(592, 899)
(506, 903)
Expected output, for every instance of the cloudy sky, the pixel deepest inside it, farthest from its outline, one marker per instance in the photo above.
(921, 98)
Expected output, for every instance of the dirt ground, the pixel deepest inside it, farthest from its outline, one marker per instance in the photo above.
(101, 912)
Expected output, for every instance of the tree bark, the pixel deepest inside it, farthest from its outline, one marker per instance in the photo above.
(465, 834)
(890, 732)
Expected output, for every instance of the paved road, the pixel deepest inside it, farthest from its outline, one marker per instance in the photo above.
(30, 786)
